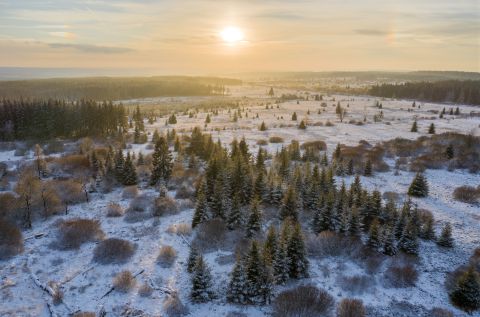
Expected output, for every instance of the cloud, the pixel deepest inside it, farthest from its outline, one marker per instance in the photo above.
(371, 32)
(65, 35)
(87, 48)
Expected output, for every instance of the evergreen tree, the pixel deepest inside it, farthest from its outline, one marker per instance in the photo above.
(263, 126)
(255, 271)
(457, 111)
(162, 163)
(466, 294)
(427, 232)
(201, 282)
(290, 205)
(446, 239)
(354, 226)
(302, 125)
(270, 92)
(431, 129)
(192, 259)
(389, 247)
(374, 240)
(368, 168)
(201, 208)
(350, 170)
(294, 116)
(408, 242)
(129, 173)
(449, 152)
(155, 136)
(270, 246)
(296, 254)
(280, 261)
(237, 287)
(119, 166)
(141, 159)
(414, 127)
(419, 186)
(254, 223)
(207, 119)
(235, 218)
(259, 187)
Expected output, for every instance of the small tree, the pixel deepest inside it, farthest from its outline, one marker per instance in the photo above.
(290, 205)
(192, 259)
(254, 223)
(201, 282)
(294, 116)
(414, 127)
(302, 125)
(296, 254)
(408, 242)
(389, 247)
(466, 294)
(419, 186)
(374, 236)
(263, 126)
(162, 163)
(431, 129)
(446, 239)
(449, 152)
(368, 168)
(237, 287)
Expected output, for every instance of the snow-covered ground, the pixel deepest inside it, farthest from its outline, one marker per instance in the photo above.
(85, 282)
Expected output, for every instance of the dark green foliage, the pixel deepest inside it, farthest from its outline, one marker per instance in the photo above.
(466, 294)
(201, 291)
(129, 174)
(237, 287)
(449, 152)
(270, 246)
(445, 239)
(374, 240)
(302, 125)
(368, 168)
(408, 242)
(389, 247)
(254, 222)
(162, 163)
(263, 126)
(201, 208)
(296, 254)
(258, 282)
(431, 129)
(192, 259)
(414, 127)
(235, 219)
(290, 205)
(419, 186)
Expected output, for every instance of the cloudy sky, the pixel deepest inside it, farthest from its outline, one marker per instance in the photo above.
(184, 36)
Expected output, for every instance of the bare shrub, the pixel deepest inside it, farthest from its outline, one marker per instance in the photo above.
(184, 192)
(145, 290)
(181, 229)
(275, 139)
(164, 206)
(314, 145)
(262, 142)
(84, 314)
(74, 232)
(70, 191)
(124, 281)
(329, 124)
(440, 312)
(328, 243)
(130, 192)
(466, 194)
(11, 240)
(303, 301)
(137, 208)
(211, 234)
(113, 250)
(114, 210)
(401, 276)
(350, 307)
(9, 204)
(167, 256)
(173, 306)
(391, 196)
(73, 163)
(356, 284)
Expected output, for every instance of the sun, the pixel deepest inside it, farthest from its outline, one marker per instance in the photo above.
(231, 35)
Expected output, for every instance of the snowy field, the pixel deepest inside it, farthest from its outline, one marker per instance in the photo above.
(85, 283)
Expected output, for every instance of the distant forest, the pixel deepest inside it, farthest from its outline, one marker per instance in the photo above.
(456, 91)
(40, 120)
(112, 88)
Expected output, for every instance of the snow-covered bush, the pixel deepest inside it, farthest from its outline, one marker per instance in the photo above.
(145, 290)
(114, 210)
(466, 194)
(166, 256)
(113, 250)
(74, 232)
(173, 306)
(350, 307)
(130, 192)
(124, 281)
(303, 301)
(11, 240)
(164, 206)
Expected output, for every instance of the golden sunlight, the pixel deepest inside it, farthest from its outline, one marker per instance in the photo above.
(231, 35)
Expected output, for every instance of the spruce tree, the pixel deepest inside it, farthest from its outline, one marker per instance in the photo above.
(449, 152)
(296, 254)
(129, 173)
(302, 125)
(414, 127)
(446, 239)
(466, 294)
(201, 208)
(427, 232)
(192, 259)
(354, 225)
(254, 223)
(162, 163)
(294, 116)
(374, 240)
(235, 217)
(119, 165)
(270, 246)
(141, 159)
(255, 270)
(457, 111)
(431, 129)
(408, 242)
(207, 119)
(263, 126)
(350, 167)
(280, 261)
(201, 291)
(389, 247)
(259, 187)
(290, 205)
(368, 168)
(237, 287)
(419, 186)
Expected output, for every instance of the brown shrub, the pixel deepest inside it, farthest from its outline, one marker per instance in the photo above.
(124, 281)
(74, 232)
(211, 234)
(328, 243)
(440, 312)
(356, 284)
(69, 191)
(184, 192)
(173, 306)
(401, 276)
(166, 256)
(130, 192)
(329, 124)
(303, 301)
(137, 209)
(164, 206)
(349, 307)
(262, 142)
(9, 204)
(145, 290)
(314, 145)
(275, 139)
(113, 250)
(114, 210)
(466, 194)
(73, 163)
(84, 314)
(11, 240)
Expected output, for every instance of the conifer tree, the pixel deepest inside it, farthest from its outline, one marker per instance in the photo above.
(129, 173)
(263, 126)
(207, 119)
(237, 287)
(294, 116)
(254, 269)
(414, 127)
(235, 217)
(192, 259)
(155, 136)
(162, 163)
(408, 242)
(254, 223)
(374, 240)
(446, 239)
(419, 186)
(141, 159)
(449, 152)
(270, 246)
(466, 294)
(271, 92)
(290, 205)
(368, 168)
(201, 208)
(119, 166)
(354, 226)
(201, 282)
(280, 261)
(427, 232)
(389, 247)
(350, 170)
(457, 111)
(302, 125)
(296, 254)
(259, 187)
(431, 129)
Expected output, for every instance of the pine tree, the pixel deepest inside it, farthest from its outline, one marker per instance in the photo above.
(141, 159)
(192, 259)
(155, 136)
(389, 247)
(466, 294)
(427, 232)
(296, 254)
(290, 205)
(280, 261)
(237, 287)
(431, 129)
(162, 163)
(449, 152)
(270, 92)
(259, 187)
(368, 168)
(354, 223)
(445, 239)
(263, 126)
(419, 186)
(255, 270)
(129, 173)
(302, 125)
(201, 282)
(270, 246)
(201, 208)
(350, 170)
(374, 240)
(457, 111)
(207, 119)
(235, 217)
(254, 223)
(414, 127)
(119, 166)
(408, 242)
(294, 116)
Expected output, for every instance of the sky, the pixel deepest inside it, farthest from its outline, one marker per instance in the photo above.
(185, 36)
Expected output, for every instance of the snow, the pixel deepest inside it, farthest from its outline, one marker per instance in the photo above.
(85, 282)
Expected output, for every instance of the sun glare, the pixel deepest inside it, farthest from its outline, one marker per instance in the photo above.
(231, 35)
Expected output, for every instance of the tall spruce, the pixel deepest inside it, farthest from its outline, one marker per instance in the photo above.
(201, 291)
(445, 239)
(162, 163)
(419, 186)
(254, 222)
(296, 254)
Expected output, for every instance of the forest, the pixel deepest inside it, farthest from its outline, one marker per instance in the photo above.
(109, 88)
(456, 91)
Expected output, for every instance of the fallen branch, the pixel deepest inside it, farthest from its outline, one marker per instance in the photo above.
(112, 288)
(35, 236)
(77, 274)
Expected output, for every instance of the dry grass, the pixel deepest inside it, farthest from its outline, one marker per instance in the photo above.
(74, 232)
(124, 281)
(113, 250)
